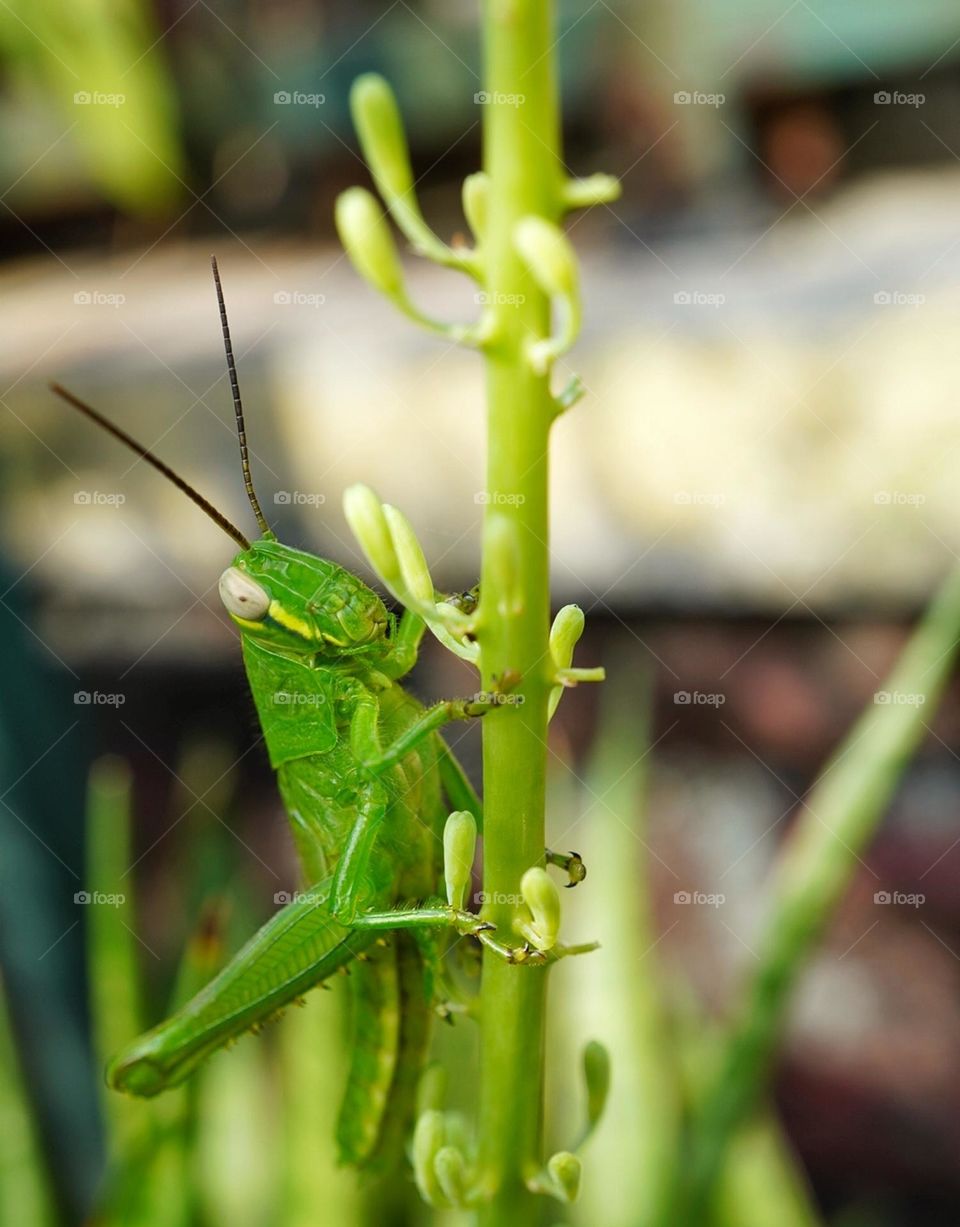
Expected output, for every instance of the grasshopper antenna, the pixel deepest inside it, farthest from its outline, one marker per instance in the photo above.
(145, 454)
(238, 405)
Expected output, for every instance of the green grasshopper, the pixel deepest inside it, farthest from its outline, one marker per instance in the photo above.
(362, 771)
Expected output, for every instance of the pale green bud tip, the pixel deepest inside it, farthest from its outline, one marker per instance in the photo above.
(541, 896)
(429, 1137)
(368, 242)
(596, 189)
(548, 255)
(565, 633)
(596, 1073)
(364, 513)
(450, 1169)
(476, 195)
(376, 117)
(565, 1171)
(413, 565)
(459, 846)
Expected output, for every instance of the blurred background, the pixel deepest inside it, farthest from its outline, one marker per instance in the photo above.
(752, 503)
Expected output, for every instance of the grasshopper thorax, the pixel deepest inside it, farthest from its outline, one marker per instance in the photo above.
(301, 603)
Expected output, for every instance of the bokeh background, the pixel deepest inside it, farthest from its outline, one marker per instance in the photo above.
(755, 498)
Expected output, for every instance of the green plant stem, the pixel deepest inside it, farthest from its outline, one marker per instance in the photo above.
(843, 811)
(522, 162)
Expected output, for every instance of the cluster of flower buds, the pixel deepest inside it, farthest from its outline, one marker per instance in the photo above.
(362, 223)
(391, 547)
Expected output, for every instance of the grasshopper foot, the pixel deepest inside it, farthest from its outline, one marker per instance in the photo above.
(572, 865)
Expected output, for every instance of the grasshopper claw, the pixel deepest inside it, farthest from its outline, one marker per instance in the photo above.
(470, 925)
(572, 864)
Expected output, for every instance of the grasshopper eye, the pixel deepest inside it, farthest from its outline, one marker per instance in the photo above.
(242, 596)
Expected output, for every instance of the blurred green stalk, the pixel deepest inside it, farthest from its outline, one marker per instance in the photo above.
(24, 1196)
(844, 809)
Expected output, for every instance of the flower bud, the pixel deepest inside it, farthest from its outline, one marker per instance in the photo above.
(459, 846)
(365, 515)
(565, 634)
(476, 193)
(413, 565)
(376, 118)
(542, 898)
(565, 1170)
(429, 1137)
(366, 236)
(596, 1074)
(596, 189)
(548, 255)
(451, 1173)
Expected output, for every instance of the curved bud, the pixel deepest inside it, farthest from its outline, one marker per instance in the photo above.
(547, 253)
(594, 190)
(413, 564)
(376, 118)
(541, 925)
(565, 634)
(596, 1075)
(429, 1138)
(368, 242)
(565, 1170)
(459, 847)
(475, 196)
(450, 1169)
(365, 514)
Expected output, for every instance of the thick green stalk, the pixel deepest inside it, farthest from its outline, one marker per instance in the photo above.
(521, 159)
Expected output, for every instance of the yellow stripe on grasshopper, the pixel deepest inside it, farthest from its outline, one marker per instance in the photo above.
(290, 621)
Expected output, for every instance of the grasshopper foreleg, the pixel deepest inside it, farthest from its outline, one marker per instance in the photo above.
(406, 645)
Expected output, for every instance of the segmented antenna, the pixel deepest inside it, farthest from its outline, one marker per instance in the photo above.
(237, 405)
(145, 454)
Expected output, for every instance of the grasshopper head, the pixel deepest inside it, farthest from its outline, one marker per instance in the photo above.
(302, 603)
